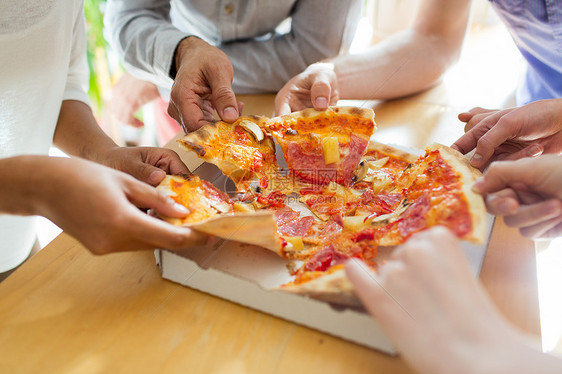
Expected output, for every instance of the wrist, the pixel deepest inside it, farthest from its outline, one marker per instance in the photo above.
(185, 46)
(24, 183)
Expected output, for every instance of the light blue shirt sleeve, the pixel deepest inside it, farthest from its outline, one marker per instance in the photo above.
(145, 35)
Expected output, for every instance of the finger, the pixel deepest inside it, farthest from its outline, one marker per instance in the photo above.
(499, 205)
(320, 93)
(466, 116)
(553, 233)
(500, 175)
(529, 215)
(175, 165)
(145, 196)
(187, 110)
(365, 283)
(500, 130)
(160, 234)
(146, 173)
(282, 109)
(240, 107)
(533, 150)
(542, 230)
(224, 99)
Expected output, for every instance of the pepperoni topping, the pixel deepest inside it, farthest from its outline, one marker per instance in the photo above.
(306, 160)
(275, 199)
(367, 234)
(413, 219)
(296, 227)
(285, 215)
(325, 259)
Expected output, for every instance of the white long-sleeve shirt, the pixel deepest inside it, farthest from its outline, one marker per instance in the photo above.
(43, 62)
(145, 33)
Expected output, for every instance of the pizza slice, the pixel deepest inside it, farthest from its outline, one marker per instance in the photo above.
(435, 190)
(213, 212)
(323, 147)
(244, 151)
(274, 226)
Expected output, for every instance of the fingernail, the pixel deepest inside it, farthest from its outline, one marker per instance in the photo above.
(156, 176)
(180, 208)
(504, 207)
(321, 102)
(230, 113)
(552, 208)
(477, 186)
(535, 150)
(211, 241)
(476, 159)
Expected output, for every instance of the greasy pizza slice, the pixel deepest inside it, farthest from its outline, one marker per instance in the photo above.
(436, 190)
(433, 190)
(381, 166)
(323, 147)
(211, 211)
(242, 150)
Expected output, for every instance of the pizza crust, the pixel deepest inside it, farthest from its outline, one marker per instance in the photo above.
(257, 228)
(211, 143)
(333, 287)
(468, 175)
(389, 150)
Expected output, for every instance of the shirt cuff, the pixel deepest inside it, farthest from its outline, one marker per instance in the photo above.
(165, 49)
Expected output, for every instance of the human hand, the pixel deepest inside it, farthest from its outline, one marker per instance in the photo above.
(203, 83)
(316, 87)
(147, 164)
(510, 134)
(427, 301)
(98, 206)
(128, 96)
(527, 193)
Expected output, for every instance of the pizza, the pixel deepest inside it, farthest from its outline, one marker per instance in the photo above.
(321, 147)
(242, 150)
(343, 198)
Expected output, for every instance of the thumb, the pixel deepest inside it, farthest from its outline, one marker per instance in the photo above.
(145, 196)
(148, 173)
(320, 93)
(502, 174)
(223, 96)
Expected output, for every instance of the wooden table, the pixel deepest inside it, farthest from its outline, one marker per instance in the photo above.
(67, 311)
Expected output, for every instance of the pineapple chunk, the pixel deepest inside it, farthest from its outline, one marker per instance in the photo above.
(355, 223)
(381, 181)
(377, 164)
(331, 150)
(295, 241)
(243, 207)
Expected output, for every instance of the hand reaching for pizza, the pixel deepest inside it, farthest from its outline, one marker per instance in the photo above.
(527, 193)
(147, 164)
(316, 87)
(425, 298)
(128, 96)
(510, 134)
(93, 203)
(203, 84)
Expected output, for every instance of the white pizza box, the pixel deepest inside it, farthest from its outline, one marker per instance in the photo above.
(249, 275)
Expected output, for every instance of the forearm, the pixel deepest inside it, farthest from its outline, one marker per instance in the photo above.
(23, 179)
(410, 61)
(79, 134)
(403, 64)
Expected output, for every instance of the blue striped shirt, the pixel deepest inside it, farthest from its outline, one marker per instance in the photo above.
(536, 28)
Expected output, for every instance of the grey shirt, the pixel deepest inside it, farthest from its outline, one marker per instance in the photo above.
(145, 34)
